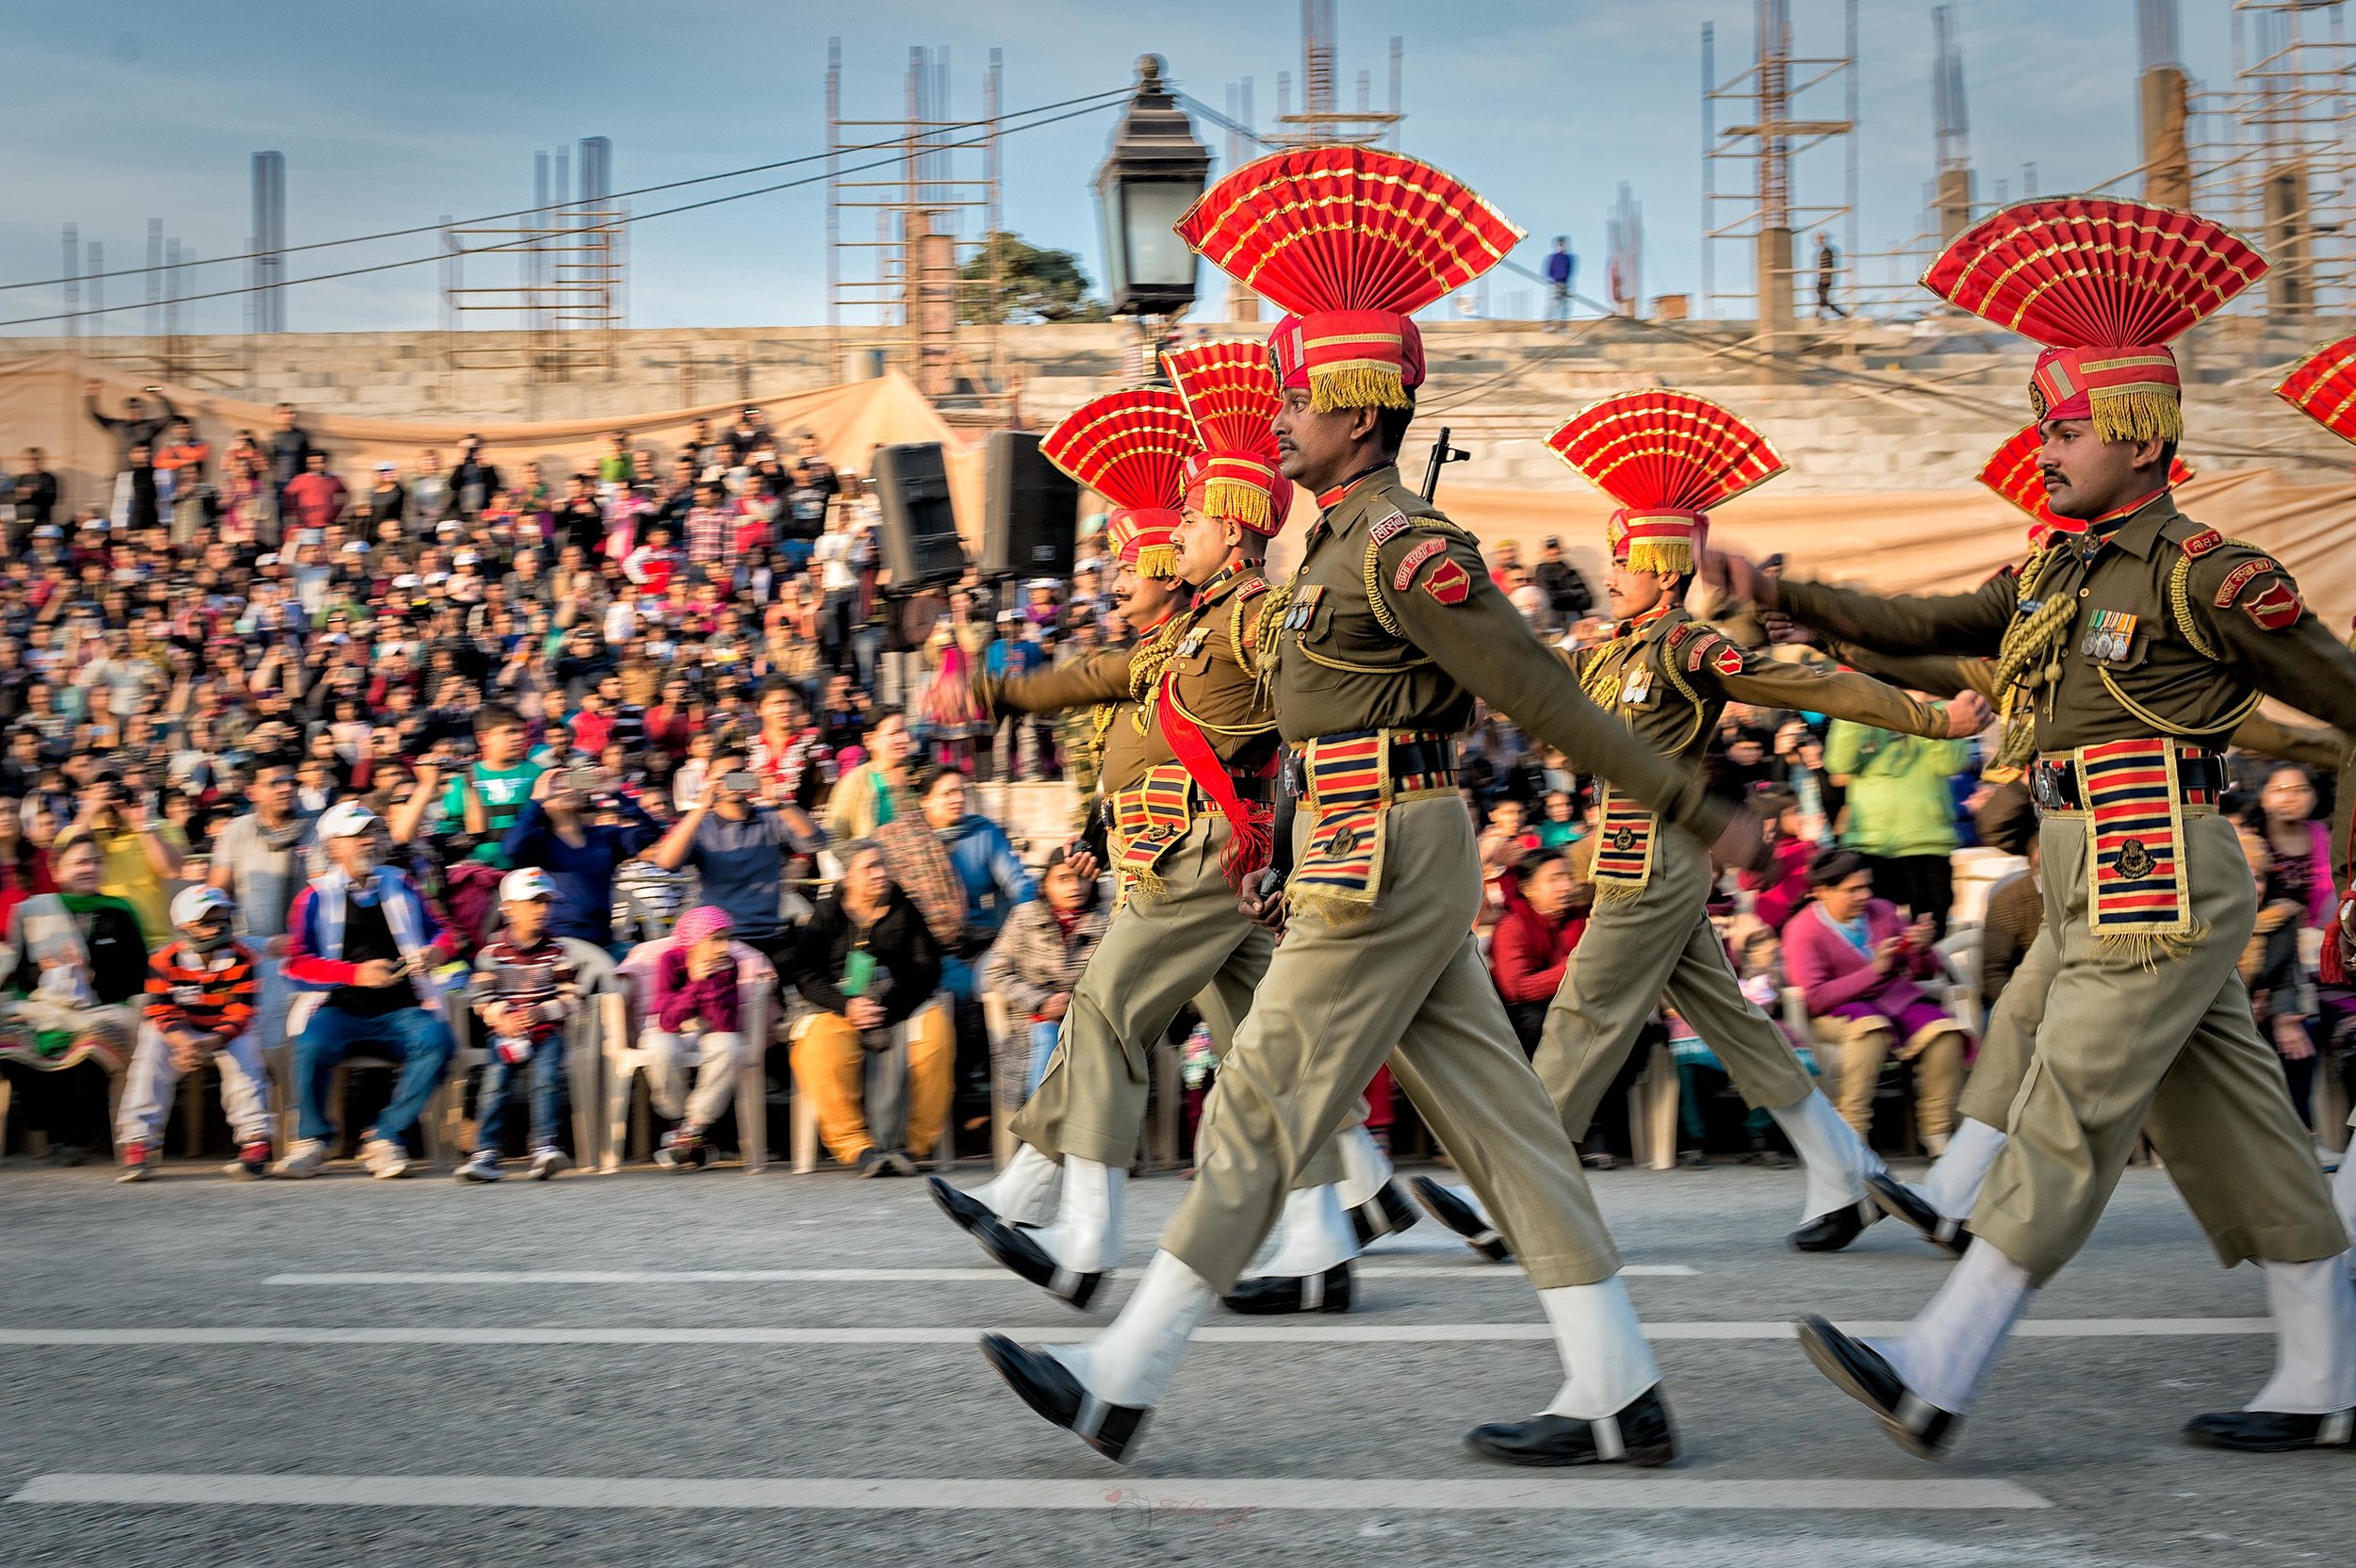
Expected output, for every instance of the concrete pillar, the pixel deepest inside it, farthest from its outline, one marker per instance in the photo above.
(1955, 202)
(1775, 313)
(2289, 224)
(2167, 158)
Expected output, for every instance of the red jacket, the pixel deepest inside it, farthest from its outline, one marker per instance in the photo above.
(1526, 951)
(1782, 888)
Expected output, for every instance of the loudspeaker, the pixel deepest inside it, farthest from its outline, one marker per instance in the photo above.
(920, 526)
(1032, 527)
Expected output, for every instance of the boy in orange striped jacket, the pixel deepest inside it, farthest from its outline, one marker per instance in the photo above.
(201, 1001)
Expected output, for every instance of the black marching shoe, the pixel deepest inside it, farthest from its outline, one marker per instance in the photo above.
(2272, 1431)
(1274, 1294)
(965, 1211)
(1385, 1213)
(1460, 1217)
(1018, 1253)
(1835, 1229)
(1048, 1387)
(1641, 1433)
(1902, 1203)
(1858, 1370)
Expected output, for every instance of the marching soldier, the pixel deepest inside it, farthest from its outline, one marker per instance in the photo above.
(2125, 654)
(1386, 633)
(1189, 823)
(1668, 457)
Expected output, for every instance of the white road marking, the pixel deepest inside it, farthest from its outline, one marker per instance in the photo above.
(1312, 1333)
(1222, 1500)
(850, 1276)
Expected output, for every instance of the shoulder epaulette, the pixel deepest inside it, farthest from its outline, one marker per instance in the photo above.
(2203, 543)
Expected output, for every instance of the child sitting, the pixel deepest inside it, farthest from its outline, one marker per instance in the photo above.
(524, 989)
(201, 1001)
(695, 1002)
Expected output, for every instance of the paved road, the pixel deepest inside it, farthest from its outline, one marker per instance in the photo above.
(650, 1369)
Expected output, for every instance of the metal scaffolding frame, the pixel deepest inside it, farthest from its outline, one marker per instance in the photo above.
(1749, 183)
(564, 309)
(2274, 154)
(903, 296)
(1321, 120)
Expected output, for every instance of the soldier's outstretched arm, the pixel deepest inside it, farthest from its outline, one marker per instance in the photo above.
(1970, 623)
(1444, 602)
(1709, 657)
(1941, 675)
(1099, 676)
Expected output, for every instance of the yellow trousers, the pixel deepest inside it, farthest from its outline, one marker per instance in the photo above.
(829, 1065)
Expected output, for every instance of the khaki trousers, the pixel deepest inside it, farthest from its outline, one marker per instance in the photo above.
(1189, 943)
(1636, 951)
(1867, 1044)
(2171, 1051)
(1403, 980)
(830, 1065)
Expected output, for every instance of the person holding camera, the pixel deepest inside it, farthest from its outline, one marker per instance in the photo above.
(737, 839)
(578, 828)
(1856, 961)
(141, 855)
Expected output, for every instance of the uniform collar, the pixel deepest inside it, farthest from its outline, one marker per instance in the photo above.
(1649, 625)
(1230, 577)
(2133, 528)
(1329, 499)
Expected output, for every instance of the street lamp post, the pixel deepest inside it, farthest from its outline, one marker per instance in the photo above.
(1152, 174)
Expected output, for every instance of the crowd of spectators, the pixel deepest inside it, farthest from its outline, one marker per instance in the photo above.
(329, 766)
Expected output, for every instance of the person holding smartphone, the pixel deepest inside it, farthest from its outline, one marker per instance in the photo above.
(579, 829)
(738, 839)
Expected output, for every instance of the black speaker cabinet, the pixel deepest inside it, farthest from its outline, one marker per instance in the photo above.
(1032, 527)
(920, 525)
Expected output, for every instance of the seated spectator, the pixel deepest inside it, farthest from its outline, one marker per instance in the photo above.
(578, 828)
(489, 793)
(524, 989)
(204, 999)
(737, 841)
(1036, 960)
(1856, 963)
(876, 792)
(1545, 913)
(694, 1019)
(141, 855)
(868, 966)
(1559, 823)
(364, 946)
(2298, 846)
(1782, 888)
(75, 967)
(2280, 1001)
(991, 878)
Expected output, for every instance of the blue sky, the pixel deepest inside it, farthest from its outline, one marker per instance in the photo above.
(402, 111)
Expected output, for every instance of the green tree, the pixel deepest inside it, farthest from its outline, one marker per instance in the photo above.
(1038, 284)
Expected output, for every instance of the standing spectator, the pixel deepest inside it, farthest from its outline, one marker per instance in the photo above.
(33, 492)
(578, 852)
(488, 795)
(1561, 282)
(695, 1007)
(821, 472)
(137, 507)
(428, 491)
(579, 519)
(737, 842)
(76, 967)
(749, 434)
(524, 989)
(1902, 814)
(806, 499)
(1545, 914)
(1828, 268)
(137, 427)
(1566, 590)
(867, 964)
(615, 467)
(388, 501)
(364, 943)
(472, 481)
(202, 1001)
(289, 448)
(876, 792)
(315, 498)
(1037, 961)
(2279, 998)
(1856, 962)
(711, 525)
(2298, 846)
(257, 858)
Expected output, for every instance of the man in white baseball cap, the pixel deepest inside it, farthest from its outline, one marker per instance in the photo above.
(201, 1001)
(363, 947)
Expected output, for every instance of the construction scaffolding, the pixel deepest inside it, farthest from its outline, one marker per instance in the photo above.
(1778, 109)
(2274, 154)
(562, 314)
(927, 291)
(1320, 119)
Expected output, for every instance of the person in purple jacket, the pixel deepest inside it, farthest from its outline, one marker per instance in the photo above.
(1856, 962)
(694, 1014)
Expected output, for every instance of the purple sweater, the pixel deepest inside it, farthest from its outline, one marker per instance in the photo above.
(1829, 970)
(679, 1001)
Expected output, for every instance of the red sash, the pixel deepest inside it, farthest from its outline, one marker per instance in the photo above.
(1250, 838)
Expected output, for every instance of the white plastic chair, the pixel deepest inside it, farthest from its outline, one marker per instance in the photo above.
(623, 1013)
(886, 1080)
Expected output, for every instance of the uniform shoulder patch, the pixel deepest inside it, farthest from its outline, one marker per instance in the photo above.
(1684, 632)
(1446, 580)
(1252, 589)
(1727, 660)
(2239, 578)
(2203, 543)
(1389, 527)
(2275, 607)
(1413, 562)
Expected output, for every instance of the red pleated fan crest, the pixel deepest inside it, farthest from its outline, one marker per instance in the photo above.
(1228, 389)
(2323, 387)
(1666, 451)
(1128, 446)
(2090, 271)
(1346, 228)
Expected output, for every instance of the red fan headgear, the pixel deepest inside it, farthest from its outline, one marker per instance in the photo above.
(2323, 387)
(1349, 241)
(1667, 457)
(1229, 390)
(2012, 472)
(2105, 285)
(1131, 447)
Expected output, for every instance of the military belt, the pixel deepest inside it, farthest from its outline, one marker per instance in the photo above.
(2201, 778)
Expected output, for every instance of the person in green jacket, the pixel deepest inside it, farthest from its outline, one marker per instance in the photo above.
(1901, 811)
